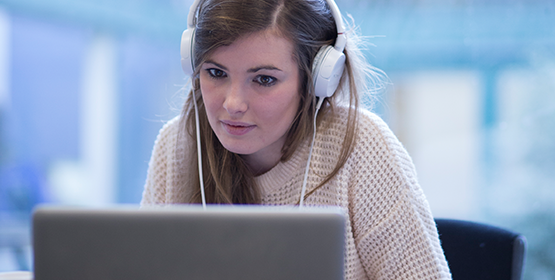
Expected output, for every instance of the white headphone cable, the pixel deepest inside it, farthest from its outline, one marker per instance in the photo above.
(303, 189)
(199, 152)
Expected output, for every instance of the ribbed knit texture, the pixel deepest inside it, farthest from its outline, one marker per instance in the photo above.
(390, 230)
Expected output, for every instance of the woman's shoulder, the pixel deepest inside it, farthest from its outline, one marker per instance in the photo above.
(172, 124)
(376, 138)
(167, 137)
(170, 129)
(368, 123)
(373, 135)
(374, 131)
(371, 123)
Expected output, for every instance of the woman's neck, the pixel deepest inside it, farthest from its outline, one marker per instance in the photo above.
(265, 159)
(260, 164)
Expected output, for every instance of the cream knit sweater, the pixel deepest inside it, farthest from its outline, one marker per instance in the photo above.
(391, 233)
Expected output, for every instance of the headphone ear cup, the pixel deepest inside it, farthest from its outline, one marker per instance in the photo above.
(327, 69)
(187, 51)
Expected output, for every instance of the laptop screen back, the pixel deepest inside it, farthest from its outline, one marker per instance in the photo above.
(223, 242)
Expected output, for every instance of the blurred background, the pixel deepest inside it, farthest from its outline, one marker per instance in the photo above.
(85, 86)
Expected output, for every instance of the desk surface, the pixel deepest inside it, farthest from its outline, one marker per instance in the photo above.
(16, 275)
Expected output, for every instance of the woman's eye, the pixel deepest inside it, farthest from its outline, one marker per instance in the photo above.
(265, 80)
(216, 73)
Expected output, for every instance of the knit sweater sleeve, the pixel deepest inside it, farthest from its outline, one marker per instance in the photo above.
(393, 228)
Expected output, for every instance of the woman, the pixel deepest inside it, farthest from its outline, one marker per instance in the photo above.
(252, 63)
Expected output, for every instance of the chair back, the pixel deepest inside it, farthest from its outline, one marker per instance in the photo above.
(480, 251)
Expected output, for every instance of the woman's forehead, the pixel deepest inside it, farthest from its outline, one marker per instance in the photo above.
(258, 48)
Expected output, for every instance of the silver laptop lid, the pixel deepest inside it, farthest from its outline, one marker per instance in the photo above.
(222, 242)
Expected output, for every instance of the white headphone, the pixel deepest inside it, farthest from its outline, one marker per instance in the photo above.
(327, 67)
(327, 70)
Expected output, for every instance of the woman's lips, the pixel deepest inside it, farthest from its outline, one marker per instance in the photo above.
(237, 128)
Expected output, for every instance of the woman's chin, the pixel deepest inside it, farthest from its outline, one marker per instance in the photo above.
(238, 148)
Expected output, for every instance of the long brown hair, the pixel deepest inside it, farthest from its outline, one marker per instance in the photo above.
(308, 24)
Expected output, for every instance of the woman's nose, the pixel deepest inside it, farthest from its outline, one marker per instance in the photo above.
(235, 100)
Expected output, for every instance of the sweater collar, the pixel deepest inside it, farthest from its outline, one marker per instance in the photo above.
(284, 171)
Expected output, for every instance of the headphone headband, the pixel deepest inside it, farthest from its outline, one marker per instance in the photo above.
(341, 38)
(333, 7)
(192, 11)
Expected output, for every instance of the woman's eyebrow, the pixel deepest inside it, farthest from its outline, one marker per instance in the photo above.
(251, 70)
(216, 64)
(263, 67)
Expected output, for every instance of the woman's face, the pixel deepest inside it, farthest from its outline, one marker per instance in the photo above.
(251, 93)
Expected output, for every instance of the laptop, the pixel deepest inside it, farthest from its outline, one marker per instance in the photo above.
(188, 242)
